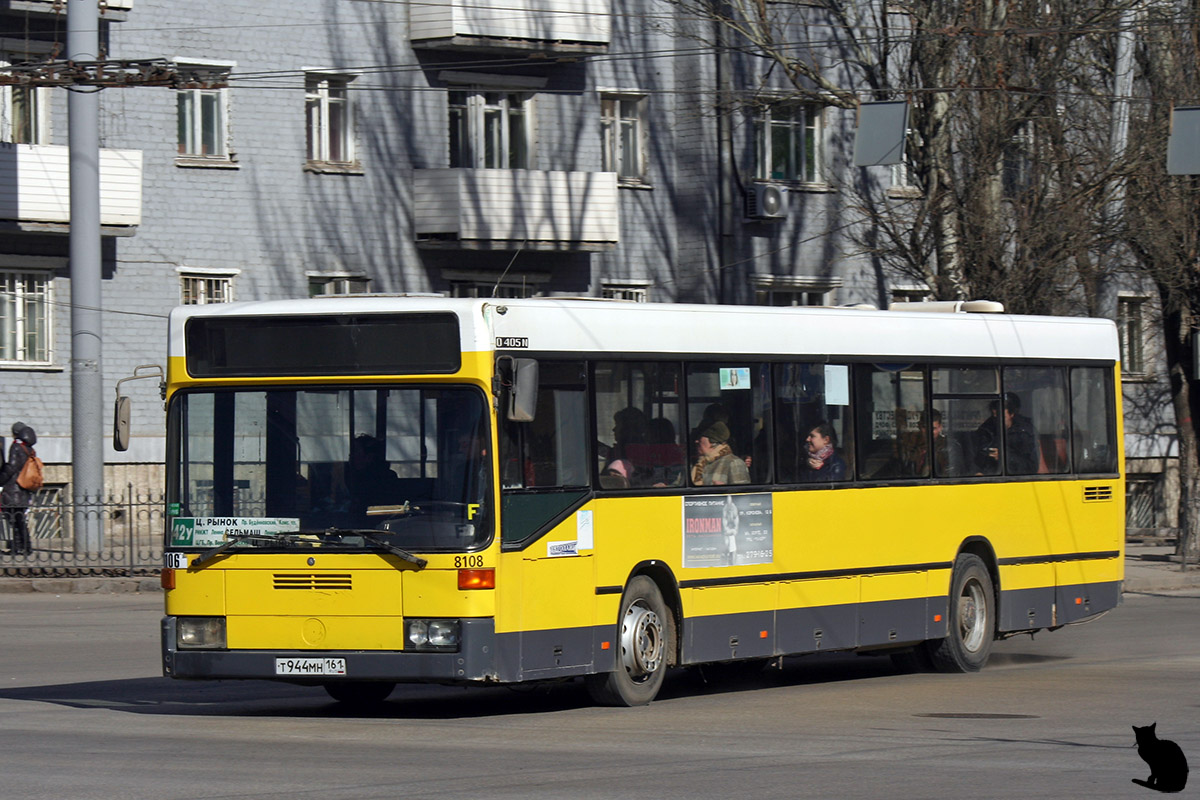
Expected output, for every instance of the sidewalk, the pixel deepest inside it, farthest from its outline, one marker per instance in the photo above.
(1148, 570)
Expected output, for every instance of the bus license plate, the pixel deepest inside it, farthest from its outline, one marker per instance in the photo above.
(310, 666)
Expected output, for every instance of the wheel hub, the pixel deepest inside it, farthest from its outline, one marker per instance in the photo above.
(641, 641)
(970, 616)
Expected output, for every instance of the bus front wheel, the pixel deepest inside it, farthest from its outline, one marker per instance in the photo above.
(360, 694)
(972, 624)
(644, 632)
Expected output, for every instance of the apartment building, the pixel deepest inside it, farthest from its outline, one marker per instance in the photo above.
(464, 148)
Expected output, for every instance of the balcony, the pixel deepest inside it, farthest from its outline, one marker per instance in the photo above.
(35, 187)
(553, 26)
(510, 209)
(112, 10)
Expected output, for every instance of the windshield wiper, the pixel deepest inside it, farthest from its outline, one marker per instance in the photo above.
(234, 538)
(367, 535)
(372, 536)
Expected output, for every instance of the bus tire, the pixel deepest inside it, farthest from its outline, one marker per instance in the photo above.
(644, 629)
(360, 694)
(972, 622)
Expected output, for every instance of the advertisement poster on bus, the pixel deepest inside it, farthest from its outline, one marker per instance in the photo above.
(727, 530)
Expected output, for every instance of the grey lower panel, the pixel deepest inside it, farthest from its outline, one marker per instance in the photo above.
(808, 630)
(728, 636)
(1047, 607)
(558, 653)
(1086, 600)
(895, 622)
(1027, 609)
(474, 662)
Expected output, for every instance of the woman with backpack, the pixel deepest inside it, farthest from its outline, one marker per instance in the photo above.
(16, 498)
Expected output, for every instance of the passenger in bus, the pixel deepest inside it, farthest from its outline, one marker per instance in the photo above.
(949, 461)
(824, 463)
(1021, 455)
(616, 474)
(370, 479)
(717, 465)
(631, 430)
(987, 443)
(1020, 440)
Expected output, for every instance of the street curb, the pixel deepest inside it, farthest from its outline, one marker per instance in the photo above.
(79, 586)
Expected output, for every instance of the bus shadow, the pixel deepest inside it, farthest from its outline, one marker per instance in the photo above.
(226, 698)
(162, 696)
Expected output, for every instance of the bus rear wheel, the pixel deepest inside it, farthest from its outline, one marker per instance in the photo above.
(644, 642)
(972, 623)
(360, 694)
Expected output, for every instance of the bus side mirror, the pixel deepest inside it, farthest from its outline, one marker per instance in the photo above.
(124, 407)
(121, 423)
(522, 393)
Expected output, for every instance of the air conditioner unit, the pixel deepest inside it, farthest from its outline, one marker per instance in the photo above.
(766, 201)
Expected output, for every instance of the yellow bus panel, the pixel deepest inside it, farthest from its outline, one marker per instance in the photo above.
(356, 631)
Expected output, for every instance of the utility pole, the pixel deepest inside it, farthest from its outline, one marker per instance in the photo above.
(84, 74)
(83, 113)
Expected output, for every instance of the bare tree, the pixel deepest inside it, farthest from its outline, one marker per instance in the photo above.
(1162, 227)
(1008, 143)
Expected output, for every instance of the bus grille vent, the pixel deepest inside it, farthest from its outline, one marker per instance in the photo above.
(1097, 494)
(326, 581)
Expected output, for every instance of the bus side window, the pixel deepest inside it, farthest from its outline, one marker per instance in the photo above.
(893, 435)
(735, 395)
(1035, 420)
(550, 451)
(638, 425)
(1093, 437)
(806, 397)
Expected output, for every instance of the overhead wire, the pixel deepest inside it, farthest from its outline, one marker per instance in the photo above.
(895, 37)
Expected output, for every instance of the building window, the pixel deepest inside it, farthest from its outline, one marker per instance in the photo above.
(789, 297)
(622, 134)
(630, 292)
(1131, 332)
(25, 316)
(789, 143)
(490, 129)
(903, 173)
(322, 285)
(794, 290)
(329, 119)
(1017, 176)
(910, 294)
(197, 289)
(1142, 503)
(506, 289)
(203, 123)
(24, 110)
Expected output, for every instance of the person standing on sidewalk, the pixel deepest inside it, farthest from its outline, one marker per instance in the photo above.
(14, 500)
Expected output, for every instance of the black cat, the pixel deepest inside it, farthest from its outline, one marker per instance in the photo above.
(1168, 767)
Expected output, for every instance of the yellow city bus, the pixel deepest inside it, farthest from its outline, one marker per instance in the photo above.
(371, 490)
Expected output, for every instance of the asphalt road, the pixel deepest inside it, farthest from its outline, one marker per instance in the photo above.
(84, 713)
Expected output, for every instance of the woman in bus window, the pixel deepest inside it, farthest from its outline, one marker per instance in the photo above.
(824, 463)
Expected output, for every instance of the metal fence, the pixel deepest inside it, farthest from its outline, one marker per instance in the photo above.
(131, 526)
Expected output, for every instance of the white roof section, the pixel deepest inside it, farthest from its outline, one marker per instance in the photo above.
(473, 332)
(598, 327)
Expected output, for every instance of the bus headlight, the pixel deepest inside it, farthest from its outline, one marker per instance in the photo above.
(200, 633)
(433, 634)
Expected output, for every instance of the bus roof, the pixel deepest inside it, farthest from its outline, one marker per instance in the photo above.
(550, 325)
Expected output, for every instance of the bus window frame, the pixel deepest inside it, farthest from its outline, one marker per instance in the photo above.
(176, 449)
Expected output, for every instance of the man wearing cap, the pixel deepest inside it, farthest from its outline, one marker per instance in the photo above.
(717, 465)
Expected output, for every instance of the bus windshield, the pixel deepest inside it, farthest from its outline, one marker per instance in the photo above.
(410, 464)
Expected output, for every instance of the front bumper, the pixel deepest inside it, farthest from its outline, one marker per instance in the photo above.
(473, 663)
